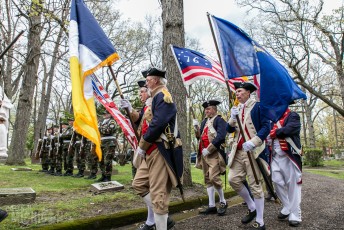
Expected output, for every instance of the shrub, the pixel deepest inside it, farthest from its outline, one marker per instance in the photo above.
(313, 157)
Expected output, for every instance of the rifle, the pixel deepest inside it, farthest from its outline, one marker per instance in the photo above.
(52, 143)
(59, 141)
(82, 147)
(71, 144)
(171, 141)
(39, 145)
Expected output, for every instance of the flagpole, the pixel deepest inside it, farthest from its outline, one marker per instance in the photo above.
(232, 102)
(121, 95)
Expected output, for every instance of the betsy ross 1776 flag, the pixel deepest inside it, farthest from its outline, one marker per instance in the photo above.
(241, 55)
(104, 98)
(194, 66)
(89, 50)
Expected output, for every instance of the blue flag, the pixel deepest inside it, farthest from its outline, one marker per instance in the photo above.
(277, 88)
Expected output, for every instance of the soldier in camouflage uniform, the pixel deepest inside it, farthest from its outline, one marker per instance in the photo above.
(44, 151)
(80, 156)
(59, 147)
(67, 134)
(52, 156)
(107, 130)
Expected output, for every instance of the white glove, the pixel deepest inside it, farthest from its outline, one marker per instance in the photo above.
(234, 112)
(195, 122)
(248, 146)
(268, 140)
(205, 152)
(141, 152)
(125, 104)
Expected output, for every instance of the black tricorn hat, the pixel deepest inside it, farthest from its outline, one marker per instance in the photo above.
(144, 73)
(245, 85)
(156, 72)
(210, 102)
(141, 83)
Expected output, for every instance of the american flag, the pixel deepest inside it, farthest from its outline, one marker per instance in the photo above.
(103, 97)
(194, 66)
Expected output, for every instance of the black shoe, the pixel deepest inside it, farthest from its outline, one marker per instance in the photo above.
(269, 197)
(106, 179)
(78, 175)
(249, 217)
(170, 223)
(58, 174)
(68, 174)
(294, 223)
(257, 225)
(209, 210)
(51, 172)
(43, 170)
(3, 214)
(101, 179)
(281, 216)
(244, 203)
(222, 209)
(146, 227)
(91, 176)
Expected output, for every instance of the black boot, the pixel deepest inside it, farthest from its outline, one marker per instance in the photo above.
(257, 225)
(222, 209)
(101, 179)
(209, 210)
(3, 215)
(79, 174)
(68, 173)
(91, 176)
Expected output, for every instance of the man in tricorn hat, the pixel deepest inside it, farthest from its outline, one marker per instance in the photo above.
(155, 148)
(211, 156)
(256, 128)
(142, 121)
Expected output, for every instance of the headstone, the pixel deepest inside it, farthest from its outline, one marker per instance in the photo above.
(107, 186)
(11, 196)
(21, 169)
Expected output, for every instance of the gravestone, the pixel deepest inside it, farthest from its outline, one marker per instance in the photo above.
(107, 186)
(11, 196)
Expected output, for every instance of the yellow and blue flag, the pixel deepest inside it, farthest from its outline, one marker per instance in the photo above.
(90, 49)
(242, 56)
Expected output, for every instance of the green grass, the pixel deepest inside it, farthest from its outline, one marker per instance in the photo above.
(331, 168)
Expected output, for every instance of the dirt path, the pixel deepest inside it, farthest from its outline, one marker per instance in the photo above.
(322, 208)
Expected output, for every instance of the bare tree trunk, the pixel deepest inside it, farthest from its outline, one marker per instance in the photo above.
(310, 126)
(18, 143)
(173, 33)
(40, 124)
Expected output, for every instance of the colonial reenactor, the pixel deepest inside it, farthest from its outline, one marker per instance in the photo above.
(67, 135)
(80, 158)
(286, 165)
(107, 130)
(256, 128)
(140, 165)
(161, 147)
(211, 157)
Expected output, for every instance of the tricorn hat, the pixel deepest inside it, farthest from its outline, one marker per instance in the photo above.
(141, 83)
(245, 85)
(210, 102)
(144, 73)
(156, 72)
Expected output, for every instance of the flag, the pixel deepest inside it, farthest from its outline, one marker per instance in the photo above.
(194, 66)
(103, 97)
(277, 88)
(89, 50)
(237, 53)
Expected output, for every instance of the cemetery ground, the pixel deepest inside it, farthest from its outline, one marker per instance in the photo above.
(67, 199)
